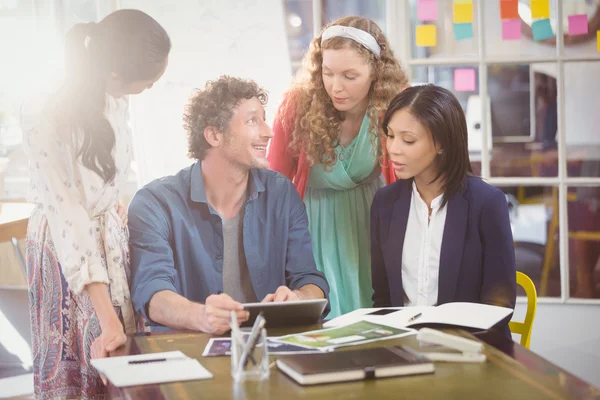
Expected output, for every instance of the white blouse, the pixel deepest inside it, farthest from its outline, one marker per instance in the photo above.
(79, 206)
(421, 250)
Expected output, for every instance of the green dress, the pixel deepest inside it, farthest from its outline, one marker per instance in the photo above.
(338, 202)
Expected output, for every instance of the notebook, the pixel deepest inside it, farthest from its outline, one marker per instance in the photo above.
(352, 365)
(468, 315)
(171, 366)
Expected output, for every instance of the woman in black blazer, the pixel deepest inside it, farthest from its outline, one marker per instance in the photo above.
(438, 234)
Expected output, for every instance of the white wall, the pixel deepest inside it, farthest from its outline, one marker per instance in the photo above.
(246, 39)
(568, 336)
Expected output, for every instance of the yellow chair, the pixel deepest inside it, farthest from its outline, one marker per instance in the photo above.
(524, 328)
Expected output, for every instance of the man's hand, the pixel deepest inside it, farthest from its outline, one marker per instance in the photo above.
(283, 293)
(216, 314)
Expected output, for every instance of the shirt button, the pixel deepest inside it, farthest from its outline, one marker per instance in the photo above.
(219, 256)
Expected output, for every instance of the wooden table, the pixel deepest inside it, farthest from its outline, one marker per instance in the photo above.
(511, 372)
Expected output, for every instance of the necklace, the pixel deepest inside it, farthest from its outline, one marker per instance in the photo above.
(345, 152)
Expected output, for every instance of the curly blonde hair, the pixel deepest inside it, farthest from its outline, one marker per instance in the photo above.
(317, 122)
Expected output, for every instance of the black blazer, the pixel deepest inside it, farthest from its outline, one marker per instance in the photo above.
(477, 260)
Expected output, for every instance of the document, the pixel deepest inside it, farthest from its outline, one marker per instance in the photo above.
(359, 314)
(468, 315)
(348, 335)
(222, 347)
(144, 369)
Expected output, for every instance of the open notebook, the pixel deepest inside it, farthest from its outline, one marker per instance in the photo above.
(469, 315)
(144, 369)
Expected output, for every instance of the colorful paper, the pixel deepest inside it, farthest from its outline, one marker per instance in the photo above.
(427, 10)
(426, 36)
(542, 29)
(598, 39)
(540, 9)
(509, 9)
(464, 80)
(346, 335)
(578, 24)
(463, 13)
(463, 31)
(511, 29)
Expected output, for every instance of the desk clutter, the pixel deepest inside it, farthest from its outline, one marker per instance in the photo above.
(311, 357)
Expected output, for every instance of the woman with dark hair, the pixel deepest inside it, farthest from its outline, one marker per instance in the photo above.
(79, 145)
(438, 234)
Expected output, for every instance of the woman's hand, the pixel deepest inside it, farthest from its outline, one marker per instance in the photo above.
(122, 211)
(111, 338)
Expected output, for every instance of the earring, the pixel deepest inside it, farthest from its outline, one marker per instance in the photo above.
(440, 152)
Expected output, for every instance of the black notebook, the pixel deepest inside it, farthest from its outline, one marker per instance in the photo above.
(382, 362)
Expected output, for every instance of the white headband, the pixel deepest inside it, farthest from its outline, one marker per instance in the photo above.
(358, 35)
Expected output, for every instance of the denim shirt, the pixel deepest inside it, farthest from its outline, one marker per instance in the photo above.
(177, 239)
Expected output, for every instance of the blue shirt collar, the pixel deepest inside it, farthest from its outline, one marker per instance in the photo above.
(198, 193)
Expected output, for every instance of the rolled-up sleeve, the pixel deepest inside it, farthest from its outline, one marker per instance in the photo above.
(300, 267)
(151, 254)
(54, 185)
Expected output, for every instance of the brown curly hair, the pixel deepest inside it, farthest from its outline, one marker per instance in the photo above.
(317, 123)
(214, 106)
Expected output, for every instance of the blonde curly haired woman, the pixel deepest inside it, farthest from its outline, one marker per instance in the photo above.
(328, 142)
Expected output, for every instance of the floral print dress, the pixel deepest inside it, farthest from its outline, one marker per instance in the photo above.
(74, 237)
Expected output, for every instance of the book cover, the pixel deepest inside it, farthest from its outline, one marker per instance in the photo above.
(354, 365)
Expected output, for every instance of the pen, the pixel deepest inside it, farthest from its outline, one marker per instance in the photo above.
(153, 360)
(237, 335)
(414, 317)
(259, 323)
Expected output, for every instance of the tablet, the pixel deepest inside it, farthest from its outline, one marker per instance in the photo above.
(287, 313)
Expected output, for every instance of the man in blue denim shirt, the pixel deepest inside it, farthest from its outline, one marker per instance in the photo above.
(225, 230)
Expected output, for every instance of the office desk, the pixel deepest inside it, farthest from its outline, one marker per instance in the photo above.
(511, 372)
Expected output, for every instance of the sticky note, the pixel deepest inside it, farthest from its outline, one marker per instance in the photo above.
(427, 10)
(578, 24)
(463, 12)
(463, 31)
(542, 29)
(598, 39)
(509, 9)
(464, 80)
(511, 29)
(426, 36)
(540, 9)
